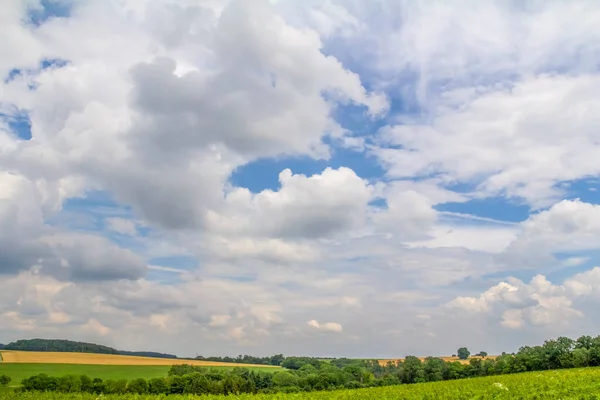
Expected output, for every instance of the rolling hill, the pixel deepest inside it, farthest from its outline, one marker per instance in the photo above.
(69, 346)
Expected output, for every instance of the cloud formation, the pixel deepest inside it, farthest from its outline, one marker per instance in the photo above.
(405, 175)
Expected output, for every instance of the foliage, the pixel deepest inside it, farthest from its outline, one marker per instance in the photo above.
(276, 359)
(550, 385)
(463, 353)
(71, 346)
(5, 380)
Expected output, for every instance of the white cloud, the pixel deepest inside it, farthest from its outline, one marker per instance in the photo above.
(196, 90)
(326, 326)
(519, 140)
(539, 303)
(321, 205)
(570, 225)
(122, 226)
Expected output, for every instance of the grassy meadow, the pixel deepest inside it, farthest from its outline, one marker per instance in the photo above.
(20, 371)
(572, 384)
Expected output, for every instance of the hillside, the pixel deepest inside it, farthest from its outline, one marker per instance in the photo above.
(69, 346)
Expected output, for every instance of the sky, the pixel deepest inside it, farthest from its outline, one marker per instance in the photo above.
(343, 178)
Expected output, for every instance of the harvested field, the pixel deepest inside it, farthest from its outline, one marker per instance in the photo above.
(448, 359)
(33, 357)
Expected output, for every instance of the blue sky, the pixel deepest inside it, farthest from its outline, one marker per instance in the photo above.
(408, 172)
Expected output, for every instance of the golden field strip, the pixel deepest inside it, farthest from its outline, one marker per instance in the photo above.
(449, 359)
(42, 357)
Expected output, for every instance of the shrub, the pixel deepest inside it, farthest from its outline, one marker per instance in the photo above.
(112, 386)
(158, 386)
(138, 386)
(5, 380)
(69, 384)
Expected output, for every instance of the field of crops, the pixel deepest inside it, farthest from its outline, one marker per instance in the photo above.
(43, 357)
(562, 384)
(449, 359)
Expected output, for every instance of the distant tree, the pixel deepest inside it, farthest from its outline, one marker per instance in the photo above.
(40, 383)
(115, 386)
(284, 378)
(463, 353)
(158, 386)
(434, 369)
(455, 370)
(138, 386)
(277, 359)
(482, 354)
(581, 357)
(5, 380)
(98, 386)
(411, 370)
(86, 384)
(69, 384)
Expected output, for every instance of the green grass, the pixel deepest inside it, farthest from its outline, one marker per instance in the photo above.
(574, 384)
(20, 371)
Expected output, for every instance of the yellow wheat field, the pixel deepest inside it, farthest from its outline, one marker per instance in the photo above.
(450, 359)
(35, 357)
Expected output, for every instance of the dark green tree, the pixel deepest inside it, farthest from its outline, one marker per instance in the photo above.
(463, 353)
(158, 386)
(138, 386)
(5, 380)
(86, 384)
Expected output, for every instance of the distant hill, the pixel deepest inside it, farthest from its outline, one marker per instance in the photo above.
(69, 346)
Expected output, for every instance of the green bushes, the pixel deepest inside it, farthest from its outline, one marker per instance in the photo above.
(5, 380)
(581, 383)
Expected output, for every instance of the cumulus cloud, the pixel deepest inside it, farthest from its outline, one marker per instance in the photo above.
(509, 140)
(304, 207)
(326, 326)
(517, 303)
(377, 118)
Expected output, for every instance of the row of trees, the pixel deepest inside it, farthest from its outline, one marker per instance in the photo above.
(247, 359)
(296, 362)
(69, 346)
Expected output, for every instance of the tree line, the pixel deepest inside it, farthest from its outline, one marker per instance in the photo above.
(276, 360)
(69, 346)
(309, 374)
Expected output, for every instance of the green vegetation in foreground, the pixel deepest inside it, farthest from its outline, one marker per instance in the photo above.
(18, 371)
(564, 384)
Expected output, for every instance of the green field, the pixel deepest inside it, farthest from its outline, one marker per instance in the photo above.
(19, 371)
(573, 384)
